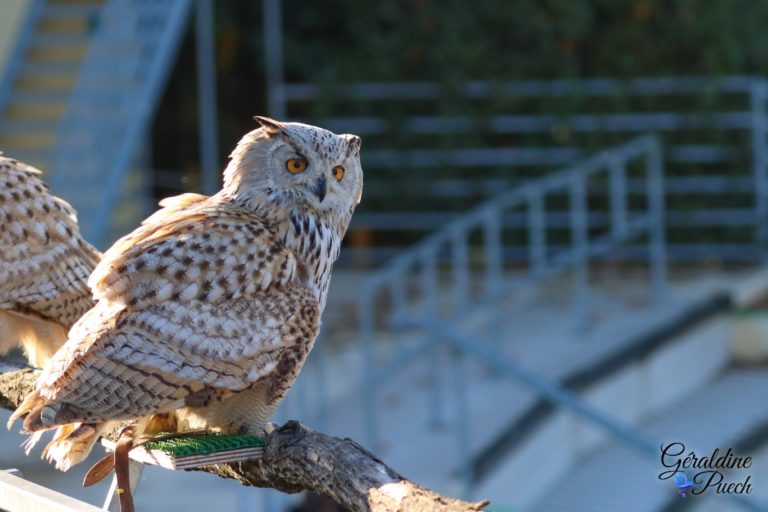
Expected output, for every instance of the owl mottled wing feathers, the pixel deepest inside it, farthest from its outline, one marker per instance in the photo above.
(120, 372)
(211, 281)
(209, 250)
(210, 308)
(45, 260)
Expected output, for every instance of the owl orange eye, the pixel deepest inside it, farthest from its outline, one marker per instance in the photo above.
(338, 172)
(296, 165)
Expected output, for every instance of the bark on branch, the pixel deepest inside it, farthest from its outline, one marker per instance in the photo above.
(298, 459)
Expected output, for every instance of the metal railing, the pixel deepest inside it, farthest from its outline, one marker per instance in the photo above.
(432, 279)
(463, 346)
(108, 114)
(716, 155)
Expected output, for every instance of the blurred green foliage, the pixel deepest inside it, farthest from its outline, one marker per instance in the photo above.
(456, 40)
(452, 41)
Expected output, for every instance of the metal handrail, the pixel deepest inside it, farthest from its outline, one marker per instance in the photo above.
(558, 396)
(117, 89)
(422, 263)
(527, 88)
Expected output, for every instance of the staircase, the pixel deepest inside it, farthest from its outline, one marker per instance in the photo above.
(44, 77)
(460, 274)
(81, 92)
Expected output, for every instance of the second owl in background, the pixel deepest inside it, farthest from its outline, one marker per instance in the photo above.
(210, 308)
(44, 264)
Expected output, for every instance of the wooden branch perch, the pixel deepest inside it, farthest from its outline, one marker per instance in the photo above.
(298, 459)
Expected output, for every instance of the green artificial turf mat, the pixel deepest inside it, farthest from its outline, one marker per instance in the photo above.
(204, 444)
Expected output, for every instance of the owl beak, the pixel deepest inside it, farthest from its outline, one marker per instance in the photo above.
(321, 187)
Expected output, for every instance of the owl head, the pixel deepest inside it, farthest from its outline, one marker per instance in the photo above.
(297, 165)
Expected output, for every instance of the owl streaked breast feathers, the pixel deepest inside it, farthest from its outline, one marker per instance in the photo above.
(44, 264)
(209, 309)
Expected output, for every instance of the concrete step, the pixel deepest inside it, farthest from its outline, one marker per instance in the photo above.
(76, 2)
(70, 11)
(49, 51)
(36, 69)
(47, 112)
(613, 477)
(36, 98)
(25, 126)
(27, 141)
(624, 329)
(38, 159)
(60, 39)
(53, 82)
(529, 324)
(69, 19)
(66, 24)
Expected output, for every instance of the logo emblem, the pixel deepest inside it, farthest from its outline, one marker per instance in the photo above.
(683, 484)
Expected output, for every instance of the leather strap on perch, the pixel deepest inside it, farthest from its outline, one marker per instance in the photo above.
(122, 473)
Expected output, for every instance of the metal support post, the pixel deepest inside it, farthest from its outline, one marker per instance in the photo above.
(369, 397)
(657, 227)
(273, 57)
(430, 289)
(758, 100)
(618, 198)
(579, 249)
(460, 253)
(537, 234)
(206, 97)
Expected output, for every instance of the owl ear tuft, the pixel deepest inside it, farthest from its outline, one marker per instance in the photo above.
(353, 144)
(271, 126)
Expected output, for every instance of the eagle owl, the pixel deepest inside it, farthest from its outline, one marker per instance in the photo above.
(44, 264)
(210, 308)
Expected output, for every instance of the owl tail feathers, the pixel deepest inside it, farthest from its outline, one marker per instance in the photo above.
(36, 412)
(28, 410)
(72, 443)
(31, 441)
